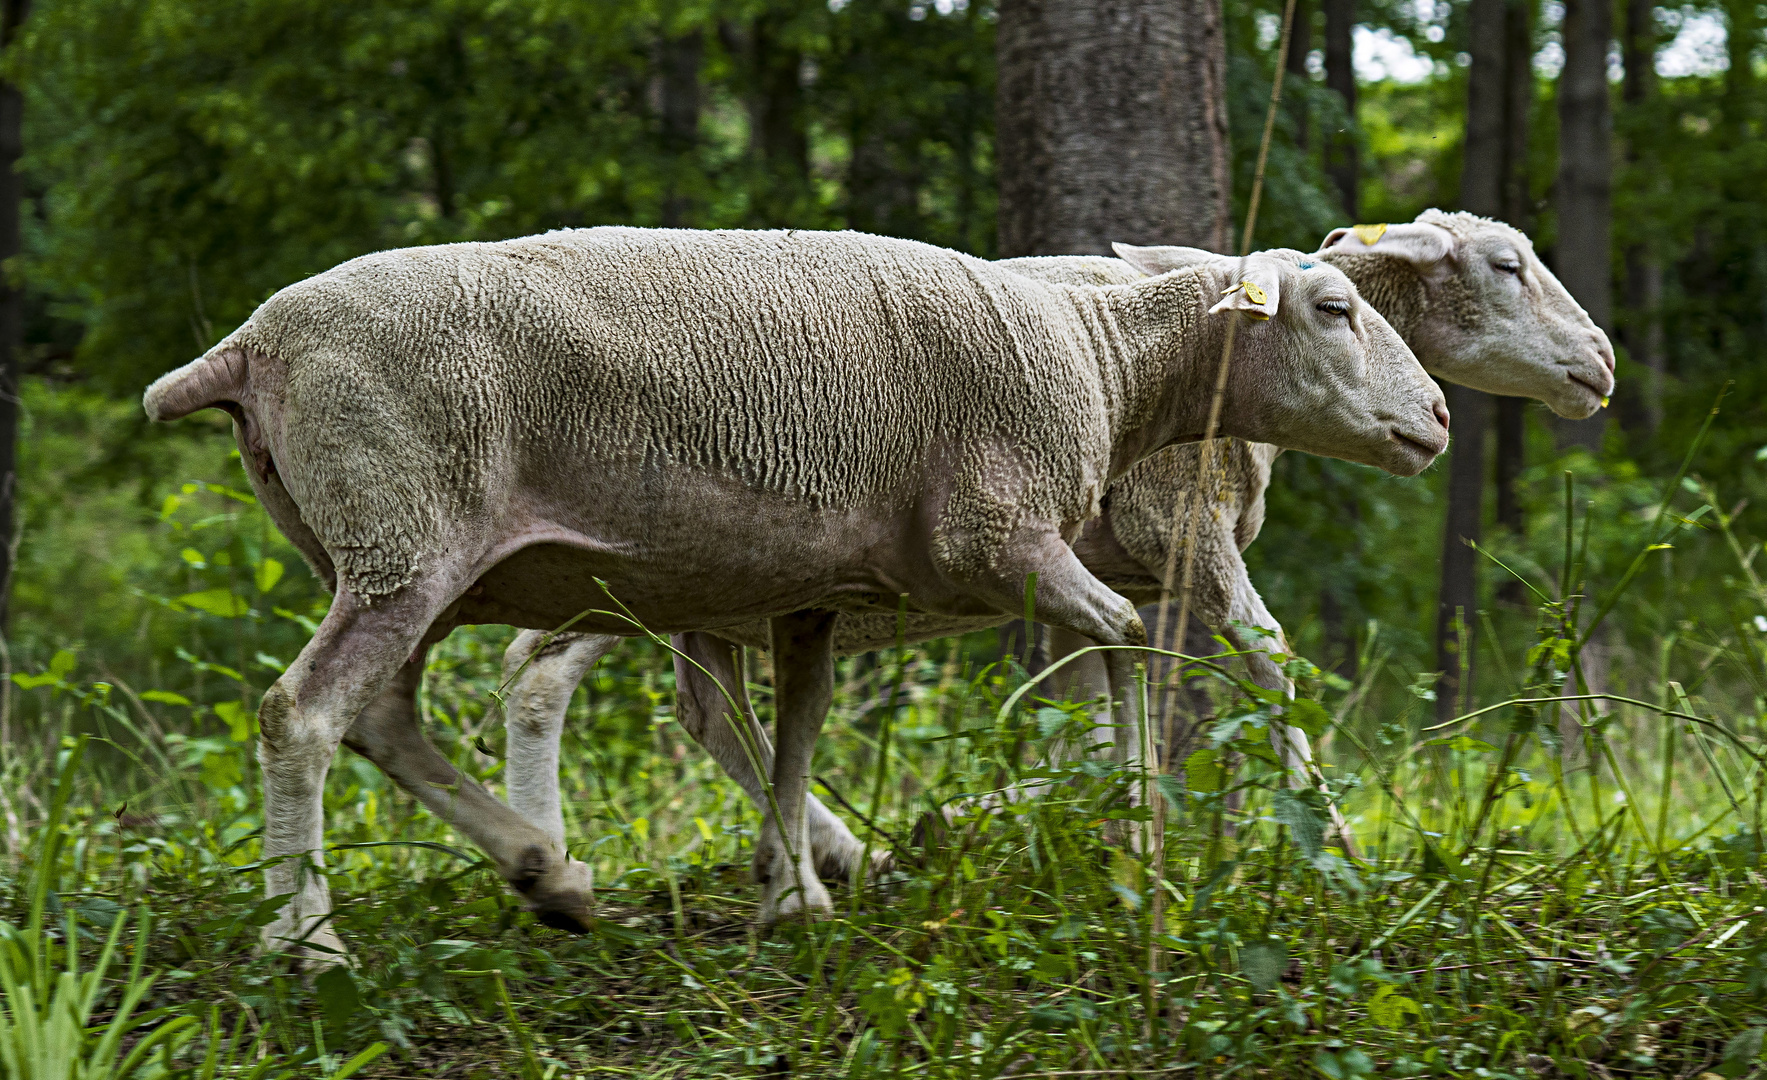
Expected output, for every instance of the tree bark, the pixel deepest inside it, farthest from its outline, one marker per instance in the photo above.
(1518, 210)
(1481, 191)
(12, 313)
(1340, 76)
(1111, 125)
(779, 141)
(1300, 44)
(1584, 251)
(1642, 409)
(680, 107)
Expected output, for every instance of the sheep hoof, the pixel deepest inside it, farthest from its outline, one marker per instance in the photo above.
(559, 893)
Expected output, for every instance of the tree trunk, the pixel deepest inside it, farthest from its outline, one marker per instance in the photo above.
(1340, 76)
(12, 313)
(1642, 399)
(680, 63)
(1518, 210)
(1111, 124)
(1300, 44)
(1584, 251)
(1481, 191)
(779, 143)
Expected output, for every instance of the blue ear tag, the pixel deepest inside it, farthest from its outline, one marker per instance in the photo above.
(1306, 266)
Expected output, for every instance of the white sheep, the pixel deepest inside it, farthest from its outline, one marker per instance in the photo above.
(1468, 294)
(724, 427)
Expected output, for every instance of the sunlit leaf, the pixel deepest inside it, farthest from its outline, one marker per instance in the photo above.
(269, 572)
(165, 697)
(222, 602)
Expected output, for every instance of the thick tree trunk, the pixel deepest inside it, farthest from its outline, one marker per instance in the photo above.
(1584, 251)
(12, 314)
(680, 107)
(1111, 124)
(1340, 76)
(1300, 44)
(1481, 191)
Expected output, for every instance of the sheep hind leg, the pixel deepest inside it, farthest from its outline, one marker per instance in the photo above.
(708, 680)
(558, 889)
(803, 664)
(304, 715)
(540, 674)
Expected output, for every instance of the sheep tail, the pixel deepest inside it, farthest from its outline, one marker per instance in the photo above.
(216, 379)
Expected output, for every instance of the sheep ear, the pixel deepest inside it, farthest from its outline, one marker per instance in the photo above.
(1423, 245)
(1154, 261)
(1254, 288)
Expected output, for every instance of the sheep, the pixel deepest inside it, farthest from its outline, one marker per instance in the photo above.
(1444, 281)
(683, 430)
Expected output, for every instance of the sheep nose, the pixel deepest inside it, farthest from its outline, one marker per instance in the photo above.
(1440, 408)
(1605, 350)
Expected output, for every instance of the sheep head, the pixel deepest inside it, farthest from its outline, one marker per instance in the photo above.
(1315, 368)
(1492, 316)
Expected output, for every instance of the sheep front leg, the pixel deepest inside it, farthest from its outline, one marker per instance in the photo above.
(302, 718)
(540, 673)
(803, 665)
(708, 677)
(1292, 747)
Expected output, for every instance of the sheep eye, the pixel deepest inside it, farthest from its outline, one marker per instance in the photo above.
(1509, 267)
(1335, 307)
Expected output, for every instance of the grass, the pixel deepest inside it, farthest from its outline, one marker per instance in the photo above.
(1546, 887)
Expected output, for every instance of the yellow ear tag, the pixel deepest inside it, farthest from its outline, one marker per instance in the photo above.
(1253, 293)
(1368, 234)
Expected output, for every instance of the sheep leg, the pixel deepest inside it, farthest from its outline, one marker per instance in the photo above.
(302, 718)
(707, 679)
(803, 665)
(540, 675)
(557, 888)
(1070, 598)
(1086, 678)
(1290, 743)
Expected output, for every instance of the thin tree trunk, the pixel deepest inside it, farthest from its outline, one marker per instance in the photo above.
(1518, 210)
(1111, 124)
(1300, 44)
(680, 108)
(12, 314)
(778, 137)
(1481, 191)
(1584, 251)
(1642, 409)
(1340, 76)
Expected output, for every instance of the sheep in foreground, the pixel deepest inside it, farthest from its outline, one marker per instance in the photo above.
(1467, 293)
(724, 427)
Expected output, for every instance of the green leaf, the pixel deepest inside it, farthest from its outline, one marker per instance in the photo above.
(1463, 744)
(1262, 964)
(1741, 1052)
(238, 719)
(1305, 823)
(193, 557)
(1388, 1007)
(62, 664)
(220, 602)
(1202, 771)
(268, 574)
(31, 682)
(1308, 715)
(336, 989)
(165, 697)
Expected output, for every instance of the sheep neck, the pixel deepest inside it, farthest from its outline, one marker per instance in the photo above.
(1159, 363)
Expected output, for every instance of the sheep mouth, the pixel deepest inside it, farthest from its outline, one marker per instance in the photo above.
(1587, 385)
(1427, 450)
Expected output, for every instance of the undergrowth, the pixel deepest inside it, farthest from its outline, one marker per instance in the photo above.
(1565, 882)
